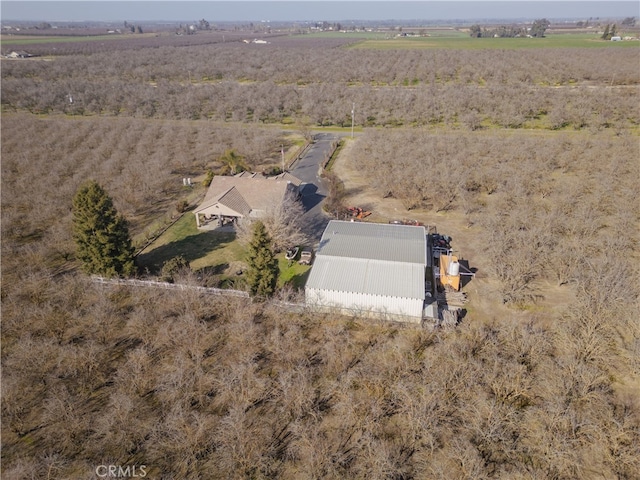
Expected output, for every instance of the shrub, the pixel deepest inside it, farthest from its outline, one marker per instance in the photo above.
(208, 178)
(182, 206)
(174, 267)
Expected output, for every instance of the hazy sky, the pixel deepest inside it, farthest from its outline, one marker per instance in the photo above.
(257, 10)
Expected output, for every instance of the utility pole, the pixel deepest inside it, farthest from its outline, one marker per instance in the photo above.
(353, 113)
(282, 151)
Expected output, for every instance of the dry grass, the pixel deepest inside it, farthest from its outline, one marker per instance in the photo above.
(188, 385)
(199, 387)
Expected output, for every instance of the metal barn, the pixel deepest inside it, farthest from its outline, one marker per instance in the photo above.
(370, 268)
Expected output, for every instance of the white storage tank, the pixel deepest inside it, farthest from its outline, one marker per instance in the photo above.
(454, 269)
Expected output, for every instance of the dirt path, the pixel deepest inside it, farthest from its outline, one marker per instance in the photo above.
(483, 289)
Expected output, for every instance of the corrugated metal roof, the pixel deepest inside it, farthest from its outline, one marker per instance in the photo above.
(375, 241)
(371, 258)
(375, 277)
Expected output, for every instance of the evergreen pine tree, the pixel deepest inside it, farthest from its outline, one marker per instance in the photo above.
(101, 234)
(263, 266)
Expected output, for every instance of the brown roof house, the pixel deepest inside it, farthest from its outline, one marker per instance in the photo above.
(232, 198)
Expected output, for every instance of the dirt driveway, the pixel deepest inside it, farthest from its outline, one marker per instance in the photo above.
(483, 290)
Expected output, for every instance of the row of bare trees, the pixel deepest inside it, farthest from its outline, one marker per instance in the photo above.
(192, 386)
(470, 107)
(142, 165)
(551, 89)
(311, 60)
(198, 387)
(545, 205)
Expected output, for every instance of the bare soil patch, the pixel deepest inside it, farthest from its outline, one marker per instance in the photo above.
(483, 289)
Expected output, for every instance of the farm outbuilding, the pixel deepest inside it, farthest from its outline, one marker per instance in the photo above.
(370, 268)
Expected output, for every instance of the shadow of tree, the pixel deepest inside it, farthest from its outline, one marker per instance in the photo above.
(191, 248)
(211, 276)
(314, 225)
(299, 281)
(353, 191)
(213, 270)
(310, 196)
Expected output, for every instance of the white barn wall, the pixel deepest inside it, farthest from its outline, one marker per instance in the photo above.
(370, 269)
(410, 307)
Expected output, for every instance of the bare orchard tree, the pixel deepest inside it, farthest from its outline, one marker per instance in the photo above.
(283, 222)
(304, 127)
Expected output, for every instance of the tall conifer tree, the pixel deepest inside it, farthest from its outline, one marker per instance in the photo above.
(101, 234)
(263, 266)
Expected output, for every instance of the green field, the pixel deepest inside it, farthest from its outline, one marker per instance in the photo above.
(435, 38)
(210, 250)
(456, 39)
(292, 273)
(200, 248)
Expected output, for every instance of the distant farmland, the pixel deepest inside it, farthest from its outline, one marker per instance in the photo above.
(453, 39)
(526, 157)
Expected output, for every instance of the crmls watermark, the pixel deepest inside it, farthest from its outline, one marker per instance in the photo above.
(118, 471)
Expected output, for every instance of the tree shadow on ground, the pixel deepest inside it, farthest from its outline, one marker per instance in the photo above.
(314, 225)
(213, 270)
(191, 248)
(211, 276)
(310, 196)
(353, 191)
(300, 280)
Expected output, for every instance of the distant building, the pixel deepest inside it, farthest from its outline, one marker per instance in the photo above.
(616, 39)
(370, 268)
(19, 54)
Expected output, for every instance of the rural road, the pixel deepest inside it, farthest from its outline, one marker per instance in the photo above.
(307, 169)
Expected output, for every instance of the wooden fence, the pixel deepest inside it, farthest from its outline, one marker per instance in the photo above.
(169, 286)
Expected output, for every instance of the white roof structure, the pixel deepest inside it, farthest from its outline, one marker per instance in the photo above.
(368, 266)
(375, 241)
(373, 277)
